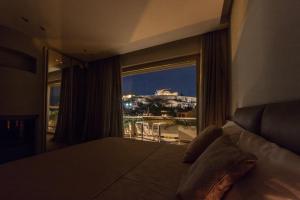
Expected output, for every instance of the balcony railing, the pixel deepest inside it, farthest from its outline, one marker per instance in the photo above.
(158, 128)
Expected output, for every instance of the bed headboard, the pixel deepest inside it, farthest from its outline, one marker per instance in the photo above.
(277, 122)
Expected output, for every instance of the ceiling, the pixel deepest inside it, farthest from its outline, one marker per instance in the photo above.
(90, 29)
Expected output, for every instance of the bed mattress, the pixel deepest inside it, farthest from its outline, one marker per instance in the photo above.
(111, 168)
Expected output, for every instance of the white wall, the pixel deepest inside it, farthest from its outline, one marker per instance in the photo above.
(265, 45)
(184, 47)
(22, 93)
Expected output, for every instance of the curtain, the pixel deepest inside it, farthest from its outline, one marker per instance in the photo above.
(69, 127)
(104, 106)
(214, 65)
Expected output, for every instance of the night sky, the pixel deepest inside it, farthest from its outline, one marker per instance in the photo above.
(182, 80)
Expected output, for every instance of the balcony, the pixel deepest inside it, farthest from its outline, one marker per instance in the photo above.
(174, 130)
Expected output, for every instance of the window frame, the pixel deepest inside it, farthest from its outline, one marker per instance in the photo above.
(172, 63)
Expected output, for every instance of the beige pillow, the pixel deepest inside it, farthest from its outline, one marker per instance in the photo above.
(277, 172)
(201, 142)
(215, 171)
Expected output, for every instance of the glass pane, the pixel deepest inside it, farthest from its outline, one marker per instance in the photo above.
(53, 114)
(53, 107)
(54, 95)
(161, 105)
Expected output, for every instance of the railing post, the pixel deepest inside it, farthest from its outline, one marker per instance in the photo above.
(159, 133)
(142, 130)
(132, 128)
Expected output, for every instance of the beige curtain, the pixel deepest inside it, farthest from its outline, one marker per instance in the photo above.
(72, 103)
(214, 67)
(104, 102)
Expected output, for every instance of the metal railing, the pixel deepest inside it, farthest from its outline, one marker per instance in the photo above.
(159, 127)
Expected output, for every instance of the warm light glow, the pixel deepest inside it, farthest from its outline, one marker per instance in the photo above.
(165, 92)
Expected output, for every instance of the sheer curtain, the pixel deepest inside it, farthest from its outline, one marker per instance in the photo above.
(214, 65)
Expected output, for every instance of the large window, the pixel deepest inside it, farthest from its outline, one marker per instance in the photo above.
(54, 95)
(161, 105)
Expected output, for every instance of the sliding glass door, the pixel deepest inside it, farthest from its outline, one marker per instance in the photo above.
(160, 104)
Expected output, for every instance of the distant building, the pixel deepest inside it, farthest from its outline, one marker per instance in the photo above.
(191, 113)
(165, 92)
(127, 96)
(162, 103)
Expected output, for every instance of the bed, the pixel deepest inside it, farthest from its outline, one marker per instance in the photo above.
(111, 168)
(116, 168)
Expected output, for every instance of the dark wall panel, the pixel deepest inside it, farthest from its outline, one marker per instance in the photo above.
(10, 58)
